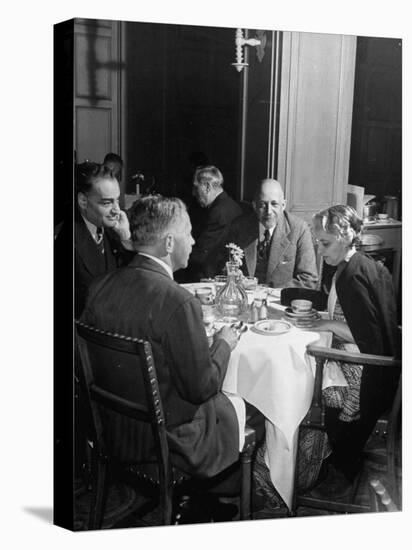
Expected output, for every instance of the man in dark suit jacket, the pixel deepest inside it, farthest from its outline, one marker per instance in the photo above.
(221, 210)
(143, 301)
(278, 246)
(101, 229)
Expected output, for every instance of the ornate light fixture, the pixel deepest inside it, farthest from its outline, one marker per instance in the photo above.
(240, 42)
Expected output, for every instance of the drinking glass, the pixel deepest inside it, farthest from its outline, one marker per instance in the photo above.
(250, 285)
(220, 281)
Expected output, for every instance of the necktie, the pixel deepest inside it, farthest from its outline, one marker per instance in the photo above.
(99, 239)
(263, 246)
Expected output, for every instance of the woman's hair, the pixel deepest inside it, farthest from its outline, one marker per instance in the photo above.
(340, 220)
(152, 216)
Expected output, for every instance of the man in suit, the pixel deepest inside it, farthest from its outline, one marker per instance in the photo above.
(278, 246)
(101, 229)
(220, 211)
(143, 301)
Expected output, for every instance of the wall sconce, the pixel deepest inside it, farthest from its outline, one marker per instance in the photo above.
(259, 43)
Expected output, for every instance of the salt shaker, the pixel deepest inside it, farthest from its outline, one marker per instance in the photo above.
(263, 310)
(254, 313)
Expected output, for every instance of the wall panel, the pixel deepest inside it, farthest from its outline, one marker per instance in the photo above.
(315, 125)
(97, 73)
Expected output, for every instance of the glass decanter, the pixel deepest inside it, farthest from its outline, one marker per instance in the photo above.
(231, 299)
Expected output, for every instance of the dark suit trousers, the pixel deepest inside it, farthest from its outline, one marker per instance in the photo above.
(228, 482)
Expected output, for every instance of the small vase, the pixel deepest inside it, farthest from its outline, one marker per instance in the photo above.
(231, 299)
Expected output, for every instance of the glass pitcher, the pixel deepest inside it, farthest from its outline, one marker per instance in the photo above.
(231, 299)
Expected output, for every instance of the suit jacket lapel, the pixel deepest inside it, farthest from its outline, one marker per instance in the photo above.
(86, 247)
(280, 241)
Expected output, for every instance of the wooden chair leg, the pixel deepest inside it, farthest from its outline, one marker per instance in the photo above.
(166, 502)
(245, 492)
(292, 512)
(99, 494)
(246, 474)
(391, 463)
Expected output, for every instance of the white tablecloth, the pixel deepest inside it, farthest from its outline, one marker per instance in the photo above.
(273, 373)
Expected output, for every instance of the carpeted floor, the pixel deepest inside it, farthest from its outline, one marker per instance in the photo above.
(128, 508)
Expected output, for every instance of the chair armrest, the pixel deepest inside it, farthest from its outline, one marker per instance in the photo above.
(350, 357)
(315, 417)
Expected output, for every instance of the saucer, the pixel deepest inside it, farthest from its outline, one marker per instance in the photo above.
(269, 327)
(309, 314)
(302, 323)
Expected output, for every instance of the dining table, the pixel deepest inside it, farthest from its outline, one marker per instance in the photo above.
(273, 372)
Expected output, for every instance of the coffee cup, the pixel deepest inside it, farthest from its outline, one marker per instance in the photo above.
(301, 306)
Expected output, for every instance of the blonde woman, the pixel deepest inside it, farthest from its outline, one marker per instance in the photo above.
(362, 317)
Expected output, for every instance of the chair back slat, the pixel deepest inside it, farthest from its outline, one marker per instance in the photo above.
(121, 383)
(120, 405)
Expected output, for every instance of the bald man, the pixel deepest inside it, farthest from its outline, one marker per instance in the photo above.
(278, 246)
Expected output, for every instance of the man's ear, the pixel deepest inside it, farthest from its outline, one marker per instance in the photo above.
(169, 243)
(283, 204)
(82, 200)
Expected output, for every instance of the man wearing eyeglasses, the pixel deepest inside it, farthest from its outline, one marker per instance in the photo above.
(278, 246)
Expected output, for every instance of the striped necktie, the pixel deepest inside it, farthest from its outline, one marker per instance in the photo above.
(263, 246)
(99, 239)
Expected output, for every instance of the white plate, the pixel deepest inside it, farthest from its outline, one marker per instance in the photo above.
(191, 287)
(271, 327)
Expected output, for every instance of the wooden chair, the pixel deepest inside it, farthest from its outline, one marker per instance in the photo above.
(127, 422)
(387, 425)
(381, 500)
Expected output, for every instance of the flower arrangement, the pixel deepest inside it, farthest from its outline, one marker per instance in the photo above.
(235, 254)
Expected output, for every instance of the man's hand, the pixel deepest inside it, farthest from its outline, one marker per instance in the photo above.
(122, 227)
(230, 335)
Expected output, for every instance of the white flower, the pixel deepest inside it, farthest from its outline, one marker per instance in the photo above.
(235, 253)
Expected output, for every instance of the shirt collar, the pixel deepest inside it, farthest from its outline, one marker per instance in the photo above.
(350, 253)
(160, 262)
(262, 230)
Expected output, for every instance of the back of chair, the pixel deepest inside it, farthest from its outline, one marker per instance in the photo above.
(120, 381)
